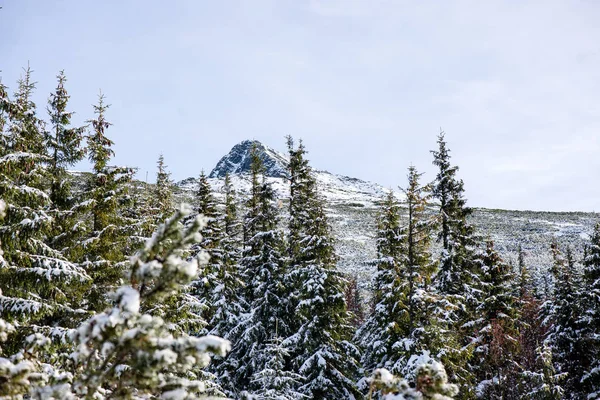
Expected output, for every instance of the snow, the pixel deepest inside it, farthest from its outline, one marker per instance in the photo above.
(129, 299)
(177, 394)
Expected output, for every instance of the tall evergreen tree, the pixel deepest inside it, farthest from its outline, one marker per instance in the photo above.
(162, 195)
(355, 301)
(264, 269)
(108, 242)
(321, 351)
(497, 341)
(570, 355)
(381, 329)
(204, 288)
(459, 275)
(591, 315)
(458, 278)
(42, 291)
(227, 300)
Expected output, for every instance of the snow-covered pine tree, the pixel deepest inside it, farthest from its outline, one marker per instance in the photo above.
(126, 351)
(274, 381)
(525, 283)
(64, 147)
(458, 277)
(42, 291)
(355, 301)
(321, 351)
(208, 285)
(430, 383)
(107, 242)
(228, 303)
(415, 318)
(591, 316)
(569, 353)
(497, 336)
(162, 195)
(380, 330)
(264, 268)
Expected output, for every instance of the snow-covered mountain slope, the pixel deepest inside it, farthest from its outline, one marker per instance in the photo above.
(352, 208)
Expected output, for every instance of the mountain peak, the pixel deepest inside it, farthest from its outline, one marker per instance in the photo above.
(237, 161)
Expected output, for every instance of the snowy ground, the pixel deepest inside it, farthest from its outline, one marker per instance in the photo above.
(352, 208)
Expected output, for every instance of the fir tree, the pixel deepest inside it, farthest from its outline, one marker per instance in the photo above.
(321, 351)
(42, 291)
(205, 287)
(263, 267)
(274, 382)
(496, 342)
(108, 242)
(227, 301)
(162, 195)
(354, 301)
(569, 352)
(591, 316)
(380, 329)
(64, 146)
(126, 351)
(458, 276)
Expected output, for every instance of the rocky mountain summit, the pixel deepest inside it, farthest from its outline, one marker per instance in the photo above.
(237, 161)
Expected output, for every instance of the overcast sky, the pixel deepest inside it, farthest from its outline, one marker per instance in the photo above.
(366, 84)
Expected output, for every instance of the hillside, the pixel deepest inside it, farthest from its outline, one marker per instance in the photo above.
(352, 205)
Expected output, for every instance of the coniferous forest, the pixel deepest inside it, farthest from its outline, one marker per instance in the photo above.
(110, 290)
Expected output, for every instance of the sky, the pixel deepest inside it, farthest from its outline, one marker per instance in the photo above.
(367, 84)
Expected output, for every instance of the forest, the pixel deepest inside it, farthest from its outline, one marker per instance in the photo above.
(110, 290)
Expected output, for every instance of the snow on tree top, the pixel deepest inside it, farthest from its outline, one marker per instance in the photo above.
(238, 160)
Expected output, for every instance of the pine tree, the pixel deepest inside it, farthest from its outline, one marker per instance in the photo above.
(42, 291)
(591, 316)
(458, 279)
(321, 351)
(417, 263)
(431, 383)
(227, 301)
(525, 283)
(162, 195)
(126, 351)
(205, 288)
(355, 302)
(496, 343)
(459, 275)
(569, 352)
(380, 330)
(64, 146)
(108, 242)
(274, 382)
(264, 269)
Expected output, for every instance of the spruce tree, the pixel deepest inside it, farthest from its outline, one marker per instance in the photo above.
(570, 354)
(205, 287)
(264, 269)
(458, 277)
(162, 195)
(108, 241)
(354, 301)
(42, 290)
(591, 315)
(496, 343)
(321, 351)
(227, 300)
(126, 351)
(380, 330)
(64, 147)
